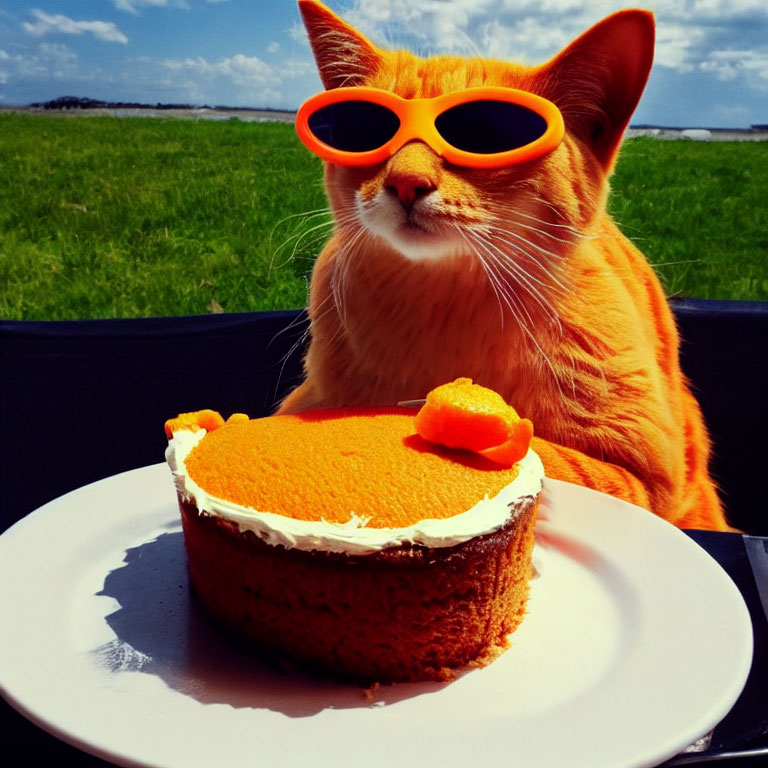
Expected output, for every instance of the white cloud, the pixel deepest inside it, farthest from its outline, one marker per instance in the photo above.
(677, 46)
(531, 41)
(47, 24)
(732, 115)
(297, 33)
(4, 71)
(62, 63)
(429, 26)
(247, 79)
(520, 30)
(132, 6)
(273, 47)
(723, 9)
(731, 64)
(240, 69)
(49, 61)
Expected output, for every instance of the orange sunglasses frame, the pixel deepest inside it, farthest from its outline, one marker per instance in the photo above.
(417, 122)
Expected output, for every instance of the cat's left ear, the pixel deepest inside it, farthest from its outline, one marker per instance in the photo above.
(597, 81)
(344, 57)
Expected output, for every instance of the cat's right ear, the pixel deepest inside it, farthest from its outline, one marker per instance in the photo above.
(598, 79)
(344, 57)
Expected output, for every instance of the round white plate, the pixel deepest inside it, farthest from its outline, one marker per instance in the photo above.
(636, 643)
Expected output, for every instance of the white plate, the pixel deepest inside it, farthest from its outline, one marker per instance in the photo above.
(636, 643)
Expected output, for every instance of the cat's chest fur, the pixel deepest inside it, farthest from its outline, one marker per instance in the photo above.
(388, 329)
(404, 327)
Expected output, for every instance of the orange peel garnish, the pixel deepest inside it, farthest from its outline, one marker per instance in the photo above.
(465, 415)
(194, 420)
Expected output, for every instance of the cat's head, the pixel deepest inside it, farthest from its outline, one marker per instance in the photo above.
(423, 207)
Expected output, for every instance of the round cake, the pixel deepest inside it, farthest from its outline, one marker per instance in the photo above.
(346, 542)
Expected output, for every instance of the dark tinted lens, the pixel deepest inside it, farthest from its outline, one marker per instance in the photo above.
(354, 126)
(486, 127)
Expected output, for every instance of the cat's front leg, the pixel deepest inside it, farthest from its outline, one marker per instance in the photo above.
(300, 399)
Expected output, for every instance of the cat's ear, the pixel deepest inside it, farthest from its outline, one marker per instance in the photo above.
(597, 81)
(344, 57)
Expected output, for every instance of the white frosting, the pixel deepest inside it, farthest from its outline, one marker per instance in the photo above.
(354, 537)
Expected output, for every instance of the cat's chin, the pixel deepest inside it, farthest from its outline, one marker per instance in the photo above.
(414, 240)
(417, 244)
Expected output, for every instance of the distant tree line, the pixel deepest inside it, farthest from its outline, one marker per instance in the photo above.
(80, 102)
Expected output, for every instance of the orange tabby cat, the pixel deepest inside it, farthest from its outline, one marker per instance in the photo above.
(515, 277)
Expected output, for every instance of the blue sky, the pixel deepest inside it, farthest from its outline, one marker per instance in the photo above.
(711, 66)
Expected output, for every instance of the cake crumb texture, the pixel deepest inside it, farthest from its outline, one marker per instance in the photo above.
(405, 614)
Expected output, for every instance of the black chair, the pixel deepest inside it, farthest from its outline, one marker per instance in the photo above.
(724, 353)
(84, 400)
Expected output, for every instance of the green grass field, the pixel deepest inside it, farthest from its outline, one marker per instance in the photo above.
(102, 217)
(699, 212)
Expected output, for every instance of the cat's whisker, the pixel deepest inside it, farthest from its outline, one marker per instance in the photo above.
(346, 217)
(576, 232)
(512, 299)
(525, 327)
(504, 296)
(495, 269)
(488, 273)
(326, 211)
(539, 231)
(567, 228)
(527, 242)
(529, 332)
(300, 318)
(299, 239)
(554, 278)
(306, 216)
(332, 220)
(554, 284)
(497, 264)
(298, 344)
(547, 361)
(331, 308)
(674, 263)
(523, 279)
(552, 288)
(341, 272)
(548, 204)
(327, 307)
(513, 264)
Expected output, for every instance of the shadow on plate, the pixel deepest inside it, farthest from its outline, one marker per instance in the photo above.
(162, 631)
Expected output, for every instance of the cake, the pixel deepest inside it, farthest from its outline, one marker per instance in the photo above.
(371, 544)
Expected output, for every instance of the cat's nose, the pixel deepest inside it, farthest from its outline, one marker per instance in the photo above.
(409, 186)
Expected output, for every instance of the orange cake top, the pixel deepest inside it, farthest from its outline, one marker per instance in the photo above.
(328, 465)
(376, 468)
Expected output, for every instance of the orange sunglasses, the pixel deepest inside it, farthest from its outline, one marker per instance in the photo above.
(485, 127)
